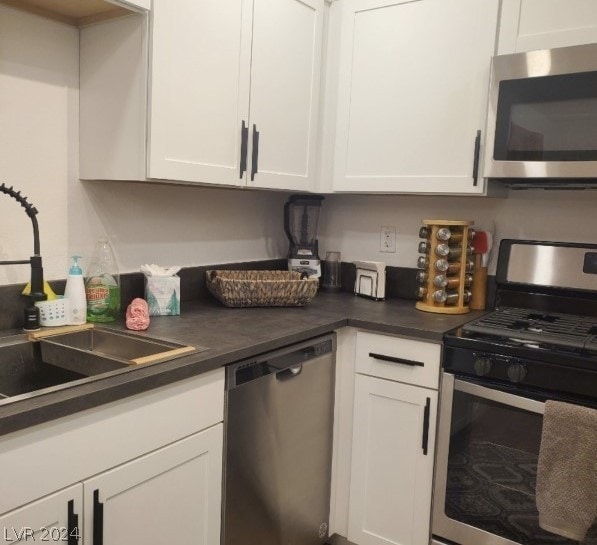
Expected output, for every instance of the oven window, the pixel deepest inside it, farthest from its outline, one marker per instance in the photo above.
(550, 118)
(492, 468)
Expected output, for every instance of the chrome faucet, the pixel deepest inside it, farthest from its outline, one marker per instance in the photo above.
(37, 273)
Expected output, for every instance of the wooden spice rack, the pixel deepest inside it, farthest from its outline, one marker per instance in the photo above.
(427, 303)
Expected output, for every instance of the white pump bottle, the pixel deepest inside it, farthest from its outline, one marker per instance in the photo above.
(75, 293)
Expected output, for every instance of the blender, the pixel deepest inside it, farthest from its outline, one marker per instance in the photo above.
(301, 220)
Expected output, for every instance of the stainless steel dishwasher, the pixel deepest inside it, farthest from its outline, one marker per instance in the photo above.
(278, 452)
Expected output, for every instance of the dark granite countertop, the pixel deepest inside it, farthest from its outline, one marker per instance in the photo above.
(230, 335)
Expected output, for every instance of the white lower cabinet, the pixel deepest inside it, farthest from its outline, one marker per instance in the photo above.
(145, 469)
(174, 492)
(53, 519)
(392, 463)
(171, 494)
(393, 442)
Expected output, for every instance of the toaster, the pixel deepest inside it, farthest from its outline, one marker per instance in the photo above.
(370, 279)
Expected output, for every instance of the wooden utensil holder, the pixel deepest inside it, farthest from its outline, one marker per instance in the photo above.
(427, 302)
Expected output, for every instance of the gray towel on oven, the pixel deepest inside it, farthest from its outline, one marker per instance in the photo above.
(567, 470)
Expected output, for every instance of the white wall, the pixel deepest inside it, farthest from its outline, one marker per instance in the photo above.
(351, 223)
(39, 67)
(39, 79)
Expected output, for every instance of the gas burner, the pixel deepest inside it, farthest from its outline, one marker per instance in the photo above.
(554, 329)
(542, 317)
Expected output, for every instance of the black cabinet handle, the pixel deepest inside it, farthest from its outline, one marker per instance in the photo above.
(392, 359)
(426, 426)
(476, 158)
(98, 519)
(244, 140)
(255, 157)
(72, 524)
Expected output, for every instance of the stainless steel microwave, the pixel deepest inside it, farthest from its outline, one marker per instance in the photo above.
(542, 118)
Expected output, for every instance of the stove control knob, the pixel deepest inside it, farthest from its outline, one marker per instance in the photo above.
(482, 365)
(517, 372)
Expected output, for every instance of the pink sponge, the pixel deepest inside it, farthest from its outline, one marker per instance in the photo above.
(137, 315)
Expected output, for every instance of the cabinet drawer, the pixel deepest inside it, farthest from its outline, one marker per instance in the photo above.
(402, 360)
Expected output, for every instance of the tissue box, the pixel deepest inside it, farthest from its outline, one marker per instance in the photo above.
(162, 294)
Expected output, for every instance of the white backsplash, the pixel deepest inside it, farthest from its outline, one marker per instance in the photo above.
(351, 223)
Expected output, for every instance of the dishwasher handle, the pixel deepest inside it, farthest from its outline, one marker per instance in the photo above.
(289, 373)
(285, 363)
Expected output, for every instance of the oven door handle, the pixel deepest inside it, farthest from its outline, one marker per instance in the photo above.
(524, 403)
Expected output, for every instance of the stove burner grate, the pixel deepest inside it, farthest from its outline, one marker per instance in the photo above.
(555, 329)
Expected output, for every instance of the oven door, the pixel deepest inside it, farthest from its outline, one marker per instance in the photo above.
(486, 465)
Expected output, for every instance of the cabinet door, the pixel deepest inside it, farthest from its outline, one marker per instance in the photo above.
(170, 495)
(412, 94)
(52, 519)
(391, 480)
(527, 25)
(199, 89)
(285, 72)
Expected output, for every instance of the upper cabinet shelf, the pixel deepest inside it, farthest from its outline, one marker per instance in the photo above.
(78, 13)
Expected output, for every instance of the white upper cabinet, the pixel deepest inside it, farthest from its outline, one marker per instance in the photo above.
(230, 91)
(285, 73)
(527, 25)
(200, 76)
(113, 99)
(411, 94)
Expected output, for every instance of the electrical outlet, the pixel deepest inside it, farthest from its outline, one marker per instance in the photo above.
(388, 240)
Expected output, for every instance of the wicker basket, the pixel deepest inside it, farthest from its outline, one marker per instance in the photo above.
(261, 288)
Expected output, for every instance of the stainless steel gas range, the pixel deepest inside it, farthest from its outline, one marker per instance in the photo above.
(539, 344)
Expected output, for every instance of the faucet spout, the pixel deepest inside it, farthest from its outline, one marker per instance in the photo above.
(37, 272)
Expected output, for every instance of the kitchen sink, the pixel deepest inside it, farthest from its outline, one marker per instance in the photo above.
(27, 366)
(22, 369)
(98, 350)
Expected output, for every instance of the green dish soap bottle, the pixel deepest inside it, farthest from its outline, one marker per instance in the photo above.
(102, 285)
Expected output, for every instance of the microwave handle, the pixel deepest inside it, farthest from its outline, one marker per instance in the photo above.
(476, 158)
(498, 396)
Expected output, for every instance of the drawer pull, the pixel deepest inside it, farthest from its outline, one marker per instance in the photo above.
(72, 524)
(244, 138)
(98, 519)
(426, 415)
(255, 156)
(392, 359)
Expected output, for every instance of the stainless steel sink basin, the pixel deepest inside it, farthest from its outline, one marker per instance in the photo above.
(27, 366)
(99, 350)
(22, 369)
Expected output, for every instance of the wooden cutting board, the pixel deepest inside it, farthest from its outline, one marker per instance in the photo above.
(49, 331)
